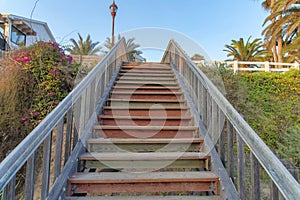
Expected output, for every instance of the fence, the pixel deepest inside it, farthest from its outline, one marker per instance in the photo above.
(224, 128)
(71, 124)
(261, 66)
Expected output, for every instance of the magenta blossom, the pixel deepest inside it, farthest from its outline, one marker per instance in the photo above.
(25, 59)
(70, 58)
(54, 72)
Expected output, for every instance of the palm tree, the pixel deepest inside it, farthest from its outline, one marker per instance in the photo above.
(249, 51)
(286, 26)
(131, 47)
(81, 47)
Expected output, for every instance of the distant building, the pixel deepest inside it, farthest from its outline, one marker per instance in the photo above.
(16, 31)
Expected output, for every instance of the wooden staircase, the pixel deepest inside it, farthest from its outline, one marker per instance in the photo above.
(146, 145)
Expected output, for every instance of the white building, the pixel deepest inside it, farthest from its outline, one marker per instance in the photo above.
(18, 31)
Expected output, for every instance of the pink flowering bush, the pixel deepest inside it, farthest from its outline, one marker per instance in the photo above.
(51, 71)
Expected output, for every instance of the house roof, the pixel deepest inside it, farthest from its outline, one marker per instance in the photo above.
(25, 24)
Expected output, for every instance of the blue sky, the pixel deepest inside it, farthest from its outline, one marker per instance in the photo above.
(210, 23)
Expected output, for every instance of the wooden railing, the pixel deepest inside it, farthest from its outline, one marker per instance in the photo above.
(251, 171)
(63, 131)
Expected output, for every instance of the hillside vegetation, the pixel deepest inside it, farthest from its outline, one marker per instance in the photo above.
(270, 103)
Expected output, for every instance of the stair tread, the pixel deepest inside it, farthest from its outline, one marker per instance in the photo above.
(145, 198)
(106, 127)
(146, 79)
(145, 87)
(123, 156)
(146, 74)
(145, 82)
(142, 93)
(147, 108)
(150, 177)
(145, 117)
(149, 100)
(143, 140)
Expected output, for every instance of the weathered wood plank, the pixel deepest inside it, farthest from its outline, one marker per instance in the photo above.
(230, 150)
(29, 180)
(58, 149)
(255, 178)
(241, 167)
(46, 166)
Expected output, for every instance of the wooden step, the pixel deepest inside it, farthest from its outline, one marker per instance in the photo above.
(145, 161)
(154, 111)
(121, 182)
(146, 75)
(182, 197)
(144, 67)
(146, 72)
(144, 145)
(165, 83)
(136, 78)
(145, 131)
(145, 103)
(144, 120)
(145, 88)
(146, 95)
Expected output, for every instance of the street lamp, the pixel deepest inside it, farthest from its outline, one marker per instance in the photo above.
(113, 10)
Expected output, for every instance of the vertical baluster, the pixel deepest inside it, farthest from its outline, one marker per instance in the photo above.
(230, 152)
(255, 177)
(9, 190)
(241, 167)
(221, 136)
(46, 166)
(58, 149)
(29, 180)
(209, 115)
(214, 122)
(68, 135)
(204, 105)
(274, 191)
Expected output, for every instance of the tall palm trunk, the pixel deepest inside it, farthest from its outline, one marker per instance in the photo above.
(280, 47)
(274, 49)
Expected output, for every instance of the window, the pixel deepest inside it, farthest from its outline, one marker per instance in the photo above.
(2, 41)
(17, 36)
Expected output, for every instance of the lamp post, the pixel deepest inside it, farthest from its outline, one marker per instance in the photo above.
(113, 10)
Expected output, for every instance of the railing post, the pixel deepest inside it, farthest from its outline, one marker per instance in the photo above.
(230, 152)
(267, 66)
(235, 66)
(296, 65)
(241, 167)
(46, 166)
(255, 178)
(29, 180)
(10, 189)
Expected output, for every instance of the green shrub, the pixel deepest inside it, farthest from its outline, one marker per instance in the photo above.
(32, 84)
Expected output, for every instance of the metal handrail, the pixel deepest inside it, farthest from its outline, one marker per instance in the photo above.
(284, 181)
(27, 148)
